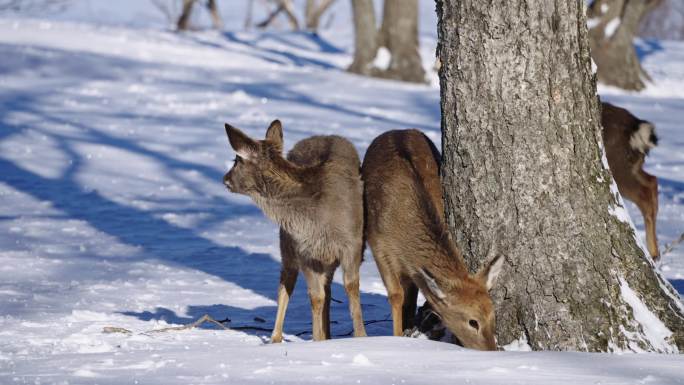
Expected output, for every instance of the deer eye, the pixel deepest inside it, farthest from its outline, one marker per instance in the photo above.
(473, 324)
(237, 159)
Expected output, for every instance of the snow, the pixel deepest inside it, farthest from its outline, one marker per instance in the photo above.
(113, 213)
(657, 334)
(382, 59)
(593, 22)
(611, 27)
(519, 345)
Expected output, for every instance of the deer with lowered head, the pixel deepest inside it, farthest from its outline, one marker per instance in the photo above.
(627, 140)
(315, 195)
(408, 236)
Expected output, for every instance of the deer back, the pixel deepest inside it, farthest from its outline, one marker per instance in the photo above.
(403, 195)
(627, 140)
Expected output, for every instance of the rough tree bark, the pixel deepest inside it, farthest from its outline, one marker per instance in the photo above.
(613, 24)
(399, 34)
(365, 39)
(523, 177)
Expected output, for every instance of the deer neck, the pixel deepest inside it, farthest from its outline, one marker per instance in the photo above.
(287, 197)
(444, 261)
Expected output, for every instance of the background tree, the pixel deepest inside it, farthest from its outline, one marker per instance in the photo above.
(314, 11)
(523, 177)
(33, 5)
(665, 21)
(613, 24)
(282, 6)
(184, 19)
(365, 37)
(398, 33)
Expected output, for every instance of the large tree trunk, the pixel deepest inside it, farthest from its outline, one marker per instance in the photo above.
(365, 42)
(613, 26)
(399, 33)
(523, 177)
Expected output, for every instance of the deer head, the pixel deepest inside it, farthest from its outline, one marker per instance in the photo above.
(464, 305)
(259, 167)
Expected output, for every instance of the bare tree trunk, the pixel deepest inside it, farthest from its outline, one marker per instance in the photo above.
(613, 26)
(289, 12)
(184, 19)
(283, 6)
(523, 177)
(215, 16)
(399, 33)
(314, 12)
(365, 33)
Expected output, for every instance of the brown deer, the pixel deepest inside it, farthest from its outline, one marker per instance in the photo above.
(407, 233)
(315, 195)
(628, 140)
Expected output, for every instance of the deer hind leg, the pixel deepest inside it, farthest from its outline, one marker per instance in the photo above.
(648, 204)
(288, 278)
(326, 306)
(395, 293)
(318, 286)
(409, 307)
(350, 268)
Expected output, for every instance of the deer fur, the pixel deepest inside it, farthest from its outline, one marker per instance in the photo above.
(627, 141)
(407, 233)
(315, 195)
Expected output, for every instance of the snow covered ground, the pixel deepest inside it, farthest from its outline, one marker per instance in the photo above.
(112, 211)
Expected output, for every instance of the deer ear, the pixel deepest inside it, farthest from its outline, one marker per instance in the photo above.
(490, 272)
(431, 284)
(243, 145)
(274, 133)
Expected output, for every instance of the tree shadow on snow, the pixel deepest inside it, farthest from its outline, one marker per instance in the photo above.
(156, 238)
(647, 47)
(670, 188)
(678, 285)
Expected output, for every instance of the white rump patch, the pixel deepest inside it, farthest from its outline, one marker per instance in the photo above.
(641, 139)
(611, 27)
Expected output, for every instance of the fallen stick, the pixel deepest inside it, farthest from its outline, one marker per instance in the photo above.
(201, 320)
(208, 318)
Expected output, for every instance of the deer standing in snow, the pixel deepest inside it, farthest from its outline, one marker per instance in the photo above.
(407, 233)
(627, 141)
(315, 195)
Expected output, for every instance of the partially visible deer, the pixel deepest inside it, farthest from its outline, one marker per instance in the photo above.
(407, 233)
(628, 140)
(315, 195)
